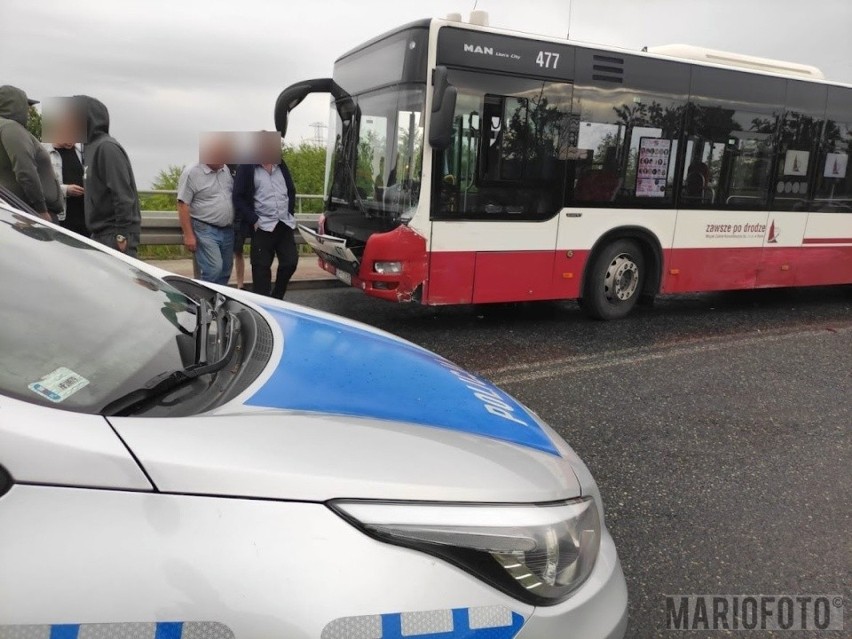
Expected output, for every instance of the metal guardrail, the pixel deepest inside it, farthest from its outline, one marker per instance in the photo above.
(162, 228)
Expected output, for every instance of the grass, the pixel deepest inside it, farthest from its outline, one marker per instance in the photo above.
(154, 252)
(177, 252)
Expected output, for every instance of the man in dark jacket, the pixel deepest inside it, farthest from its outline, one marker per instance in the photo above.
(264, 201)
(25, 167)
(111, 200)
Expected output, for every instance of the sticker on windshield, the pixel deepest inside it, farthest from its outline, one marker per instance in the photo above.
(59, 385)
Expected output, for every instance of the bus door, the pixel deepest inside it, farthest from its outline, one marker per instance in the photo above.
(498, 190)
(800, 169)
(781, 263)
(722, 217)
(723, 214)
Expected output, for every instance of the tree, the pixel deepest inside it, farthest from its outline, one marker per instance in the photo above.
(366, 167)
(306, 162)
(166, 180)
(535, 134)
(34, 122)
(410, 151)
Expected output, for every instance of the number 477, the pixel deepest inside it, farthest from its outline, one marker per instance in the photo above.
(547, 59)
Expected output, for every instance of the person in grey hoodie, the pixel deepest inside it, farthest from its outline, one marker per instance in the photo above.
(111, 201)
(25, 167)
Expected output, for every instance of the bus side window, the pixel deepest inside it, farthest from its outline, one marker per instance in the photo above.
(834, 170)
(730, 144)
(507, 156)
(628, 114)
(798, 146)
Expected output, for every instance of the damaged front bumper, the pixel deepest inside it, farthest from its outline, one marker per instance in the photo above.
(402, 245)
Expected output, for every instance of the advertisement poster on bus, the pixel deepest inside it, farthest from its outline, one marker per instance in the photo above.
(835, 165)
(653, 167)
(796, 163)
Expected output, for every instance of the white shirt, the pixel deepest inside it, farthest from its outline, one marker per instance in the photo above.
(271, 199)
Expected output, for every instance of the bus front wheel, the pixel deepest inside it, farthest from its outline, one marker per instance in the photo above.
(614, 281)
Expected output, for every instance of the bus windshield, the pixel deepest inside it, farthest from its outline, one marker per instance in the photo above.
(377, 158)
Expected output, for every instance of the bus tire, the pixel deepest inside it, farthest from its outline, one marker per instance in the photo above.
(614, 281)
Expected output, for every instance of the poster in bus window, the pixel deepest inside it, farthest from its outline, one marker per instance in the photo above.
(796, 162)
(835, 165)
(652, 169)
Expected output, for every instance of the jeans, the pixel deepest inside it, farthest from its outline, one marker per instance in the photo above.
(214, 251)
(280, 242)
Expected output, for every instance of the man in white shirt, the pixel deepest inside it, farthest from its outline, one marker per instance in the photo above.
(264, 199)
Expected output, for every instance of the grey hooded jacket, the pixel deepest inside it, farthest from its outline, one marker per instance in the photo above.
(111, 199)
(25, 167)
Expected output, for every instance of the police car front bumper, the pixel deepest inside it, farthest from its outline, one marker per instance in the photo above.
(597, 610)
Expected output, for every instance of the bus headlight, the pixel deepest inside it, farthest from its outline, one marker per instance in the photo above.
(387, 268)
(538, 554)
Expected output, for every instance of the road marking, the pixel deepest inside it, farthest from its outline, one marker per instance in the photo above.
(565, 366)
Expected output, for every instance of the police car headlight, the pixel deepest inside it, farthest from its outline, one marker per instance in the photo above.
(539, 554)
(387, 268)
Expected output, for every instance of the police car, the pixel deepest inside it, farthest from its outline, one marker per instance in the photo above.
(185, 460)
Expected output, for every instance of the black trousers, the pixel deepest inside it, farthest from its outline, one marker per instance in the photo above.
(280, 242)
(74, 219)
(108, 239)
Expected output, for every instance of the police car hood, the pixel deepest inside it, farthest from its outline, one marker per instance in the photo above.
(345, 410)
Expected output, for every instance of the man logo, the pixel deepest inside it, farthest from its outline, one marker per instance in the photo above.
(475, 48)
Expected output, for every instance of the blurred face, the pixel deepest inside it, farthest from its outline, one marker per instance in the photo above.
(215, 150)
(62, 124)
(269, 147)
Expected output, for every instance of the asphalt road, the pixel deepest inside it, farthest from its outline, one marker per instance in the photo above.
(719, 428)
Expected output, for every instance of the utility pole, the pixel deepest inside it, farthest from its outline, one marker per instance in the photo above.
(319, 133)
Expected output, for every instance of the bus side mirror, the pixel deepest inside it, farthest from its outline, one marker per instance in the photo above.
(443, 109)
(293, 95)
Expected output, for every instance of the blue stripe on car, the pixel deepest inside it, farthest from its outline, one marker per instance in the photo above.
(168, 630)
(485, 622)
(331, 367)
(392, 628)
(120, 630)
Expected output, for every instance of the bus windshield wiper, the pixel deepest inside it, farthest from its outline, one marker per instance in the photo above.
(164, 383)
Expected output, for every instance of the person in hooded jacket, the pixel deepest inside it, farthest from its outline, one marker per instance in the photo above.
(111, 201)
(25, 167)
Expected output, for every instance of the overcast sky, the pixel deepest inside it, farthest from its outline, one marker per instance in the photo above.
(168, 69)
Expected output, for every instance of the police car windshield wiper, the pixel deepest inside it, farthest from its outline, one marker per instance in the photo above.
(164, 383)
(208, 314)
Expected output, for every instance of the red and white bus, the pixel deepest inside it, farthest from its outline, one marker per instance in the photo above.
(475, 165)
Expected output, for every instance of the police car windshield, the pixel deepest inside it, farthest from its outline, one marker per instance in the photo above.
(79, 327)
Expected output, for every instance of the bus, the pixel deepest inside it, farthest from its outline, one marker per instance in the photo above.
(474, 165)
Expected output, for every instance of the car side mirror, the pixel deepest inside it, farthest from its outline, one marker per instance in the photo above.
(443, 109)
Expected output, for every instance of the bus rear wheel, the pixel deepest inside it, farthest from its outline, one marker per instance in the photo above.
(615, 280)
